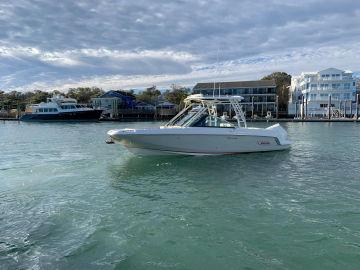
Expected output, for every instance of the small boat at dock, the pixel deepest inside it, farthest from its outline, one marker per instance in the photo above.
(197, 130)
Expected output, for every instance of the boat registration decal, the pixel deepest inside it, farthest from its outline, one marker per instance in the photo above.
(263, 142)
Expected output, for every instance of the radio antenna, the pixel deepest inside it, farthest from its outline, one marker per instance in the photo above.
(216, 72)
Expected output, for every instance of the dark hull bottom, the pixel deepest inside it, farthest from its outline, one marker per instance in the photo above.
(68, 116)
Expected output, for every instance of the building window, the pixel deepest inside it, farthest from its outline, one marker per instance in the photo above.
(271, 98)
(228, 91)
(325, 105)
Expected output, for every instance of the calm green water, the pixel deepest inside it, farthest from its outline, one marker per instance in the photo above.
(70, 201)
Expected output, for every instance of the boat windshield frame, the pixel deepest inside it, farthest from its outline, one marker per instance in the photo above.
(198, 106)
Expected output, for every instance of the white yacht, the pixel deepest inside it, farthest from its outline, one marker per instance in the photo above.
(197, 130)
(60, 108)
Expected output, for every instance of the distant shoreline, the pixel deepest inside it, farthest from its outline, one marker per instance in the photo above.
(282, 120)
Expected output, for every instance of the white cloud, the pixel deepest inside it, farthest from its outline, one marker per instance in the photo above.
(251, 68)
(118, 43)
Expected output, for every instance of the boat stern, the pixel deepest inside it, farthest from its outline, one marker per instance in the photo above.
(280, 133)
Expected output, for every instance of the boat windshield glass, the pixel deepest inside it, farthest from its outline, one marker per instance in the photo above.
(212, 121)
(198, 116)
(186, 116)
(203, 111)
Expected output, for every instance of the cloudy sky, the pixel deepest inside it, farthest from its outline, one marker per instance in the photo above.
(133, 44)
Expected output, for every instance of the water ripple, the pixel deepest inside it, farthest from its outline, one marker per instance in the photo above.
(73, 202)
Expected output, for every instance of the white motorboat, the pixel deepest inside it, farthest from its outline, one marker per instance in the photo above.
(197, 130)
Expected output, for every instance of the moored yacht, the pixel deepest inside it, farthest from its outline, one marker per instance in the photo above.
(197, 130)
(60, 108)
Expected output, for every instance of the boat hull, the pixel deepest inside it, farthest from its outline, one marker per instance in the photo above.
(199, 142)
(89, 115)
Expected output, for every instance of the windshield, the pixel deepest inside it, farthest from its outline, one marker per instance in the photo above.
(198, 116)
(212, 121)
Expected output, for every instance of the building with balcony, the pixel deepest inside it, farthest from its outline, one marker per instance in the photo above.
(259, 96)
(122, 104)
(309, 92)
(113, 101)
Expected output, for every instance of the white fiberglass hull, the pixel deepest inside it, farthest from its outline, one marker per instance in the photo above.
(201, 141)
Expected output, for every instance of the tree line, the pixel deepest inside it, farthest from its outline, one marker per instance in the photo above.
(176, 94)
(283, 82)
(19, 100)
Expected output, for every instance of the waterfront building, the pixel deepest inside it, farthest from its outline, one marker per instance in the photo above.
(259, 96)
(166, 109)
(113, 101)
(123, 104)
(309, 93)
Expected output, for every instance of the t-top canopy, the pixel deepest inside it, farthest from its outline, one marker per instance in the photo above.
(220, 99)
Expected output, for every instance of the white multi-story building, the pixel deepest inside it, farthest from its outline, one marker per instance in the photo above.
(314, 88)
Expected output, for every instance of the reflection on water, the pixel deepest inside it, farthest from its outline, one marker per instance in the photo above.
(200, 170)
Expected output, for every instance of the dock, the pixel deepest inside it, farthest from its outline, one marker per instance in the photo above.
(9, 119)
(272, 120)
(303, 120)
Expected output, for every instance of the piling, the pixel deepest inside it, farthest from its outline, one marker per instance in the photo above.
(302, 107)
(357, 106)
(329, 107)
(252, 107)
